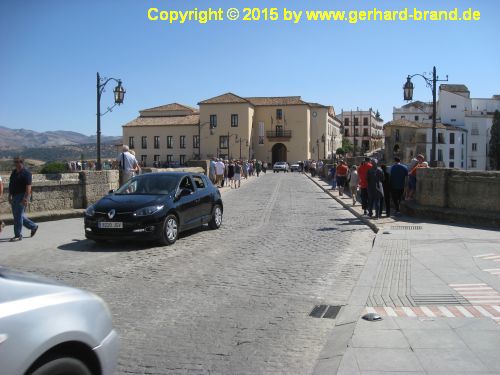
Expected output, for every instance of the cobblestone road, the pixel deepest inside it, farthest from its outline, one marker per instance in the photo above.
(231, 301)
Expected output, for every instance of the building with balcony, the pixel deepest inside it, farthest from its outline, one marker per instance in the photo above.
(363, 129)
(232, 127)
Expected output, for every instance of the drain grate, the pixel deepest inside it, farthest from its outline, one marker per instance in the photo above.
(325, 311)
(439, 299)
(406, 227)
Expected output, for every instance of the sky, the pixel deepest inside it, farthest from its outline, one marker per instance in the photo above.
(51, 50)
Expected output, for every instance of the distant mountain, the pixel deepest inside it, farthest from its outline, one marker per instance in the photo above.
(19, 139)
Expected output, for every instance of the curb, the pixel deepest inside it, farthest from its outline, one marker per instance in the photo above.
(367, 222)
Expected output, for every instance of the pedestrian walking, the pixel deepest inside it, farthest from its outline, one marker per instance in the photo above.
(363, 183)
(237, 174)
(264, 167)
(342, 171)
(219, 173)
(230, 173)
(19, 197)
(211, 171)
(312, 168)
(387, 191)
(332, 173)
(398, 176)
(258, 167)
(375, 189)
(354, 184)
(128, 165)
(412, 175)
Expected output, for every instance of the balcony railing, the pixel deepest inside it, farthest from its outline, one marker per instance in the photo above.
(279, 134)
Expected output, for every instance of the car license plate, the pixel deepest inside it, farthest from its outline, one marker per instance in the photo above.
(110, 225)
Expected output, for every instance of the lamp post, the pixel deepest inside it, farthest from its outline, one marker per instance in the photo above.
(324, 146)
(119, 94)
(317, 146)
(408, 95)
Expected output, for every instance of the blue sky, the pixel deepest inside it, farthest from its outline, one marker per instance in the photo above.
(51, 50)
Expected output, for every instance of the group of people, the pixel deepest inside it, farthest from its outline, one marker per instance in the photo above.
(377, 183)
(230, 172)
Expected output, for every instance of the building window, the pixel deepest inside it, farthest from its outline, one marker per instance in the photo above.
(474, 131)
(213, 121)
(474, 147)
(144, 160)
(473, 163)
(365, 132)
(182, 141)
(453, 120)
(452, 138)
(131, 142)
(440, 138)
(416, 118)
(403, 117)
(452, 164)
(279, 114)
(452, 153)
(346, 132)
(156, 162)
(234, 121)
(196, 141)
(144, 142)
(396, 136)
(356, 121)
(365, 121)
(346, 122)
(453, 106)
(170, 141)
(182, 159)
(223, 141)
(157, 141)
(170, 159)
(440, 155)
(462, 136)
(356, 132)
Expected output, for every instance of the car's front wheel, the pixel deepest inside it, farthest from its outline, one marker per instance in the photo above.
(216, 220)
(62, 365)
(170, 230)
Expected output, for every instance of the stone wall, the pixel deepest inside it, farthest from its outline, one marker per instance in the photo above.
(64, 191)
(450, 195)
(452, 188)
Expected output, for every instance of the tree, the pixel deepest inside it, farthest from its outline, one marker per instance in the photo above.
(346, 145)
(494, 153)
(340, 151)
(53, 167)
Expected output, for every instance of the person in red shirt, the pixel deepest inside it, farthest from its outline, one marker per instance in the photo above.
(342, 171)
(363, 183)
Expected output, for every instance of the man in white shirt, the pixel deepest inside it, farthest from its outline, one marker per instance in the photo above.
(128, 165)
(219, 172)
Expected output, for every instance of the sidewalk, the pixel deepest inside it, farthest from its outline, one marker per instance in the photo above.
(437, 288)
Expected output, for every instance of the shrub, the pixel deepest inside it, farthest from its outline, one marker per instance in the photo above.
(53, 167)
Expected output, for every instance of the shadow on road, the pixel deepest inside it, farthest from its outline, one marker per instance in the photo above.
(130, 245)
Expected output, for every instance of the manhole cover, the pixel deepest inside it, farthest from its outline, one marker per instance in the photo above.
(325, 311)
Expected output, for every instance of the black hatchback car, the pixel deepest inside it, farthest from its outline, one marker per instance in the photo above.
(156, 206)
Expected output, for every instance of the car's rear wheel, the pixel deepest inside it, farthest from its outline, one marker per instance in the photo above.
(62, 366)
(216, 220)
(170, 230)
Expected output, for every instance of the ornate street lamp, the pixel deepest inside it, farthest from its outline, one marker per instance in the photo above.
(119, 93)
(408, 95)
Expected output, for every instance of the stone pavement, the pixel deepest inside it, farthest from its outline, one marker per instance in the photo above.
(437, 288)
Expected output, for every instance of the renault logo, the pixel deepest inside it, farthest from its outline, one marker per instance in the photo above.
(111, 213)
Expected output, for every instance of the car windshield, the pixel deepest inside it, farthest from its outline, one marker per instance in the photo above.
(149, 184)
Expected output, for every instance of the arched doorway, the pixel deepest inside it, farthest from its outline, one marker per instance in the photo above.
(279, 152)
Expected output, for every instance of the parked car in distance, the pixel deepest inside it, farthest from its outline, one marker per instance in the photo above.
(295, 167)
(155, 206)
(48, 328)
(280, 166)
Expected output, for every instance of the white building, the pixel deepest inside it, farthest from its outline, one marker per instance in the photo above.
(468, 119)
(363, 129)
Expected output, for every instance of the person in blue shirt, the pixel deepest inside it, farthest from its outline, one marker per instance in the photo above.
(19, 196)
(398, 175)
